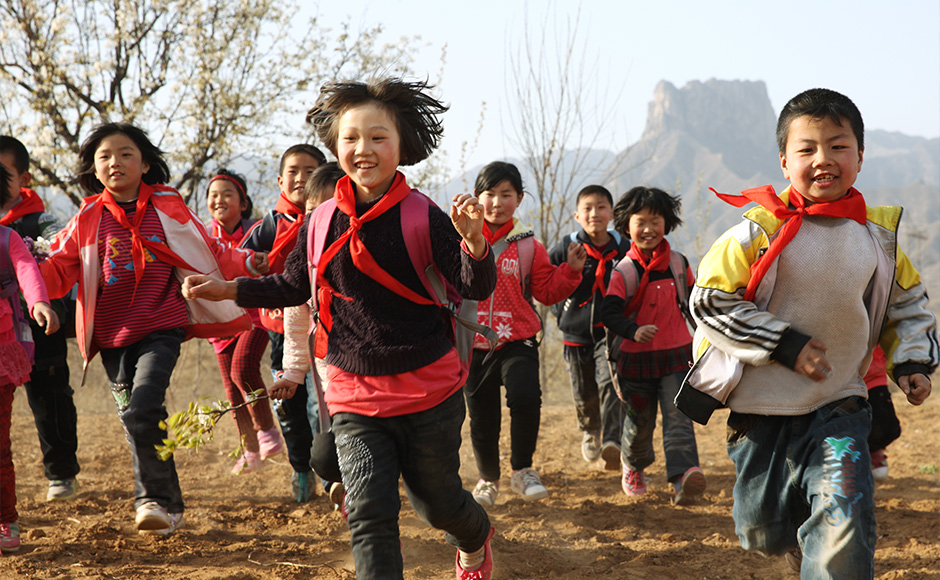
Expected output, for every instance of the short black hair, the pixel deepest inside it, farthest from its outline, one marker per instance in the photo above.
(652, 199)
(595, 190)
(159, 172)
(322, 182)
(5, 194)
(304, 148)
(416, 113)
(495, 173)
(243, 192)
(9, 144)
(820, 104)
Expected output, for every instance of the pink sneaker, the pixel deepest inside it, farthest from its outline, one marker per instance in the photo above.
(270, 443)
(247, 463)
(633, 482)
(9, 537)
(485, 571)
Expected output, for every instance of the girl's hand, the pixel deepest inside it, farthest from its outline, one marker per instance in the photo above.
(199, 286)
(46, 317)
(577, 255)
(645, 334)
(260, 262)
(916, 387)
(466, 213)
(812, 362)
(282, 389)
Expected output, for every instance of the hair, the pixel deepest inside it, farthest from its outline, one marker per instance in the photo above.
(13, 145)
(159, 172)
(415, 113)
(820, 104)
(305, 149)
(5, 194)
(595, 190)
(240, 185)
(652, 199)
(495, 173)
(322, 182)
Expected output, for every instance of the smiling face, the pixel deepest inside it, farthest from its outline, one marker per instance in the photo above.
(119, 166)
(297, 168)
(368, 148)
(593, 215)
(822, 159)
(499, 204)
(225, 204)
(647, 230)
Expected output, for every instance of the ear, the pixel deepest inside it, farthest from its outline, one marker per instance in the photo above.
(861, 153)
(25, 179)
(145, 167)
(783, 166)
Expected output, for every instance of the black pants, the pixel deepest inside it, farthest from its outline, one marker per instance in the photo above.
(292, 413)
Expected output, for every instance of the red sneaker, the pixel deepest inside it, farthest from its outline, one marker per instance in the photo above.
(485, 571)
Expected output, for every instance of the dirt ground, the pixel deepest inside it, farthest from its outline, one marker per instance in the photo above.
(247, 527)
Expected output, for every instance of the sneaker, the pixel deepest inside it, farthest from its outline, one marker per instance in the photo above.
(633, 482)
(270, 443)
(485, 492)
(176, 522)
(485, 571)
(247, 463)
(526, 482)
(9, 537)
(62, 490)
(794, 559)
(590, 446)
(302, 486)
(152, 516)
(690, 485)
(879, 465)
(337, 493)
(610, 453)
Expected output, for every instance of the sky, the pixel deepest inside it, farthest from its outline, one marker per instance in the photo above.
(884, 56)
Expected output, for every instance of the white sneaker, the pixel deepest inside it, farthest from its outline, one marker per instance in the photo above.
(526, 482)
(611, 454)
(176, 522)
(590, 446)
(152, 516)
(485, 492)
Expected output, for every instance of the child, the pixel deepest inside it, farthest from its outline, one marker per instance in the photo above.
(277, 234)
(524, 271)
(47, 390)
(885, 426)
(18, 271)
(128, 247)
(646, 305)
(792, 301)
(600, 412)
(239, 357)
(394, 373)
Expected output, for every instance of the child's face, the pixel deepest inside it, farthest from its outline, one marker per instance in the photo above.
(17, 179)
(647, 230)
(225, 202)
(119, 166)
(822, 159)
(368, 147)
(593, 214)
(297, 168)
(500, 203)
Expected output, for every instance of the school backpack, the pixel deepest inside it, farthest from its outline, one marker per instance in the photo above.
(9, 291)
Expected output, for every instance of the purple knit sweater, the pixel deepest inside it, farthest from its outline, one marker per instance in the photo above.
(378, 332)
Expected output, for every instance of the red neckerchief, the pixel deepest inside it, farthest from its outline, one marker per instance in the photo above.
(492, 237)
(287, 237)
(851, 205)
(217, 230)
(658, 262)
(29, 202)
(138, 242)
(361, 258)
(601, 271)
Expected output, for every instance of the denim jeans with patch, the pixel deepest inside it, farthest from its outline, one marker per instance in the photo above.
(595, 400)
(805, 482)
(423, 449)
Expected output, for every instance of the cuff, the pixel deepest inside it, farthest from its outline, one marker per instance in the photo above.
(295, 375)
(249, 265)
(789, 347)
(466, 250)
(910, 368)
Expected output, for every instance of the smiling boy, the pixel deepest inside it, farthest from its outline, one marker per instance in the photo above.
(794, 299)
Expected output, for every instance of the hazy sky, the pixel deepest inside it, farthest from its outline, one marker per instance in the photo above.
(885, 57)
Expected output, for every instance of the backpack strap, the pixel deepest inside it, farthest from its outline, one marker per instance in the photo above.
(526, 249)
(677, 265)
(8, 285)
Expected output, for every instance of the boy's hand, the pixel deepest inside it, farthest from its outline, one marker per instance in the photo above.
(916, 387)
(466, 213)
(577, 255)
(812, 362)
(260, 262)
(282, 389)
(199, 286)
(46, 317)
(645, 334)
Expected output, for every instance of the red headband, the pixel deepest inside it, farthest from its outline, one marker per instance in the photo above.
(231, 179)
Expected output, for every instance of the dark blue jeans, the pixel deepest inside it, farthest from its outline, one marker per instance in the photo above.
(139, 375)
(595, 400)
(805, 481)
(293, 414)
(423, 448)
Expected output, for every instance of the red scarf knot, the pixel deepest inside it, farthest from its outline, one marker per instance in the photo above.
(657, 262)
(600, 272)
